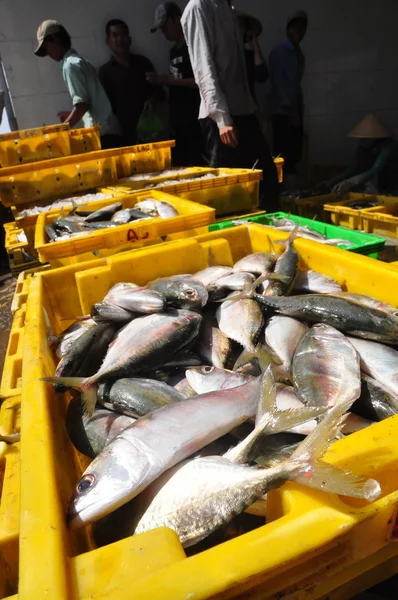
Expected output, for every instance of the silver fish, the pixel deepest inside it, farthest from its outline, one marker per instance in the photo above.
(136, 299)
(282, 336)
(369, 301)
(311, 281)
(378, 361)
(213, 346)
(241, 321)
(163, 209)
(326, 368)
(157, 442)
(181, 292)
(286, 266)
(71, 335)
(259, 263)
(103, 214)
(211, 275)
(211, 379)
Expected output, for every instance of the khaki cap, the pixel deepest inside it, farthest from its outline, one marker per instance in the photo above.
(370, 128)
(46, 28)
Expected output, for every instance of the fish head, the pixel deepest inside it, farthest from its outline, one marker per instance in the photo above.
(182, 292)
(114, 477)
(211, 379)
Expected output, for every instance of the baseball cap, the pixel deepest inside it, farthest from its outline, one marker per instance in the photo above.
(163, 12)
(45, 29)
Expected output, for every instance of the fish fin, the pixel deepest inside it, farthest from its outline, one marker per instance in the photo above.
(52, 339)
(261, 353)
(290, 239)
(243, 359)
(274, 253)
(269, 420)
(279, 420)
(249, 291)
(281, 374)
(85, 385)
(313, 472)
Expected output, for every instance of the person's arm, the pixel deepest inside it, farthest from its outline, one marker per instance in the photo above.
(261, 72)
(76, 83)
(170, 81)
(199, 37)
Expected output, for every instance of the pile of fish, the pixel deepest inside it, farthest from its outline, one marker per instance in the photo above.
(138, 177)
(198, 393)
(287, 225)
(64, 203)
(78, 222)
(362, 204)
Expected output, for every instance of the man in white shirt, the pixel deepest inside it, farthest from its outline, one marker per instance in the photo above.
(233, 133)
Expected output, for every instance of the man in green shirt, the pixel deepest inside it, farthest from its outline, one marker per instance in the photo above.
(90, 102)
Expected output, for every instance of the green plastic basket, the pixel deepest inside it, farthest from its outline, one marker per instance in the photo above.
(362, 243)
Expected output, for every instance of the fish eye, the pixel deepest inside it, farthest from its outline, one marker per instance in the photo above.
(190, 293)
(85, 484)
(208, 369)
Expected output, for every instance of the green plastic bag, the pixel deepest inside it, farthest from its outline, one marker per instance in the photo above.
(149, 126)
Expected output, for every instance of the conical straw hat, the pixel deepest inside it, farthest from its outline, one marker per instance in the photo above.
(369, 128)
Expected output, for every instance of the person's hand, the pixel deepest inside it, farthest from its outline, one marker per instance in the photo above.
(342, 188)
(159, 78)
(229, 136)
(63, 115)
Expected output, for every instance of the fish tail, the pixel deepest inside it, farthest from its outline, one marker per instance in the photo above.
(269, 420)
(87, 386)
(315, 473)
(289, 241)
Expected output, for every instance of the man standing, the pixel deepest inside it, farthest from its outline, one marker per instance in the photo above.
(228, 113)
(184, 98)
(90, 102)
(124, 80)
(286, 65)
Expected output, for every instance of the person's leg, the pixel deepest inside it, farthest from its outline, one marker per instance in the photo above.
(218, 154)
(109, 141)
(254, 150)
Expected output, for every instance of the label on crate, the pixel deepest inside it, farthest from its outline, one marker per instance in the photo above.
(136, 236)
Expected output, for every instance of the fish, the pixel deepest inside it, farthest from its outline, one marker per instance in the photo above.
(313, 282)
(211, 379)
(128, 214)
(181, 292)
(85, 355)
(198, 496)
(71, 335)
(378, 361)
(163, 209)
(286, 266)
(103, 312)
(258, 263)
(96, 225)
(213, 346)
(282, 336)
(369, 302)
(105, 213)
(90, 435)
(277, 448)
(236, 281)
(162, 439)
(211, 275)
(326, 368)
(140, 346)
(51, 233)
(135, 299)
(185, 388)
(67, 226)
(136, 397)
(345, 315)
(241, 321)
(376, 401)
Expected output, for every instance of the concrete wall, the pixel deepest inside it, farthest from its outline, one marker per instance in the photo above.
(351, 50)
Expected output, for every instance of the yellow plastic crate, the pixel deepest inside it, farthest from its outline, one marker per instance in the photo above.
(192, 216)
(313, 543)
(32, 145)
(143, 158)
(40, 181)
(141, 183)
(10, 468)
(230, 192)
(311, 208)
(381, 220)
(86, 139)
(15, 250)
(11, 379)
(345, 216)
